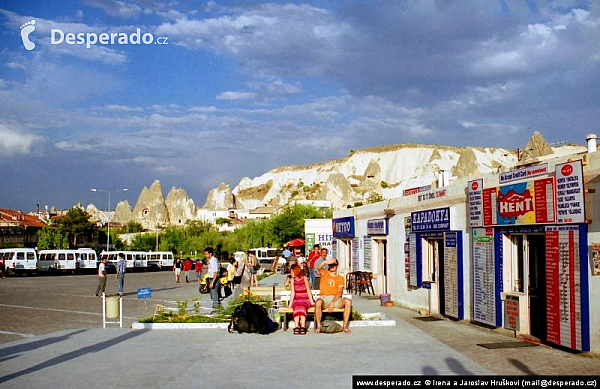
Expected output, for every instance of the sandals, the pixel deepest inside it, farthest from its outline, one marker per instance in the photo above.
(299, 330)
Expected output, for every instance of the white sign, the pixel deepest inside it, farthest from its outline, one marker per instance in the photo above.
(484, 276)
(570, 204)
(523, 174)
(367, 253)
(475, 193)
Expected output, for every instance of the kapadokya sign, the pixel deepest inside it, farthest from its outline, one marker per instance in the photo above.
(343, 227)
(529, 202)
(569, 192)
(431, 220)
(377, 226)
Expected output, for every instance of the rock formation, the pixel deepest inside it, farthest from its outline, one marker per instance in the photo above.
(150, 210)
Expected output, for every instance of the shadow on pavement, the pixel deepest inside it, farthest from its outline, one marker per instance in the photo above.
(521, 366)
(73, 354)
(36, 344)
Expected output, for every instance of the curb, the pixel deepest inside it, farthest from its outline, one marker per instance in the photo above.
(377, 320)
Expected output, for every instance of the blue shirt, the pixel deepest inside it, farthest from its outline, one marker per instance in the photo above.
(121, 265)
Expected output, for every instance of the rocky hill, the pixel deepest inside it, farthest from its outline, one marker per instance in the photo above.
(379, 172)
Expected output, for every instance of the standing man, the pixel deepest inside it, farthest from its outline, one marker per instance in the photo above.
(318, 261)
(213, 271)
(331, 292)
(312, 258)
(177, 269)
(101, 277)
(121, 267)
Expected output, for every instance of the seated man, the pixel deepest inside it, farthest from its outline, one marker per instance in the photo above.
(330, 295)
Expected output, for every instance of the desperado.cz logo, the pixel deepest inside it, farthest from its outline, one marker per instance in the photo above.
(58, 36)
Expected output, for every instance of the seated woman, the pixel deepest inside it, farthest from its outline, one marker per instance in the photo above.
(300, 299)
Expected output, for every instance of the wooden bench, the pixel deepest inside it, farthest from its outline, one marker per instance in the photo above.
(285, 300)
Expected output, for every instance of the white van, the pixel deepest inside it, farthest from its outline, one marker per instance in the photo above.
(19, 260)
(160, 259)
(265, 256)
(113, 256)
(86, 259)
(57, 260)
(140, 259)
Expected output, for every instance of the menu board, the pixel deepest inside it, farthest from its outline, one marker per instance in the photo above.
(490, 207)
(563, 286)
(451, 274)
(412, 257)
(367, 253)
(355, 254)
(334, 248)
(484, 276)
(475, 193)
(569, 192)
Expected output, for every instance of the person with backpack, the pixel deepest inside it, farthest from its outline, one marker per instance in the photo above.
(300, 298)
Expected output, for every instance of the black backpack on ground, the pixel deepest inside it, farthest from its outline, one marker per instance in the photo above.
(250, 317)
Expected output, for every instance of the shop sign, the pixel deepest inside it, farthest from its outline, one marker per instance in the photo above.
(511, 313)
(431, 220)
(569, 192)
(343, 227)
(432, 195)
(475, 203)
(524, 173)
(530, 202)
(377, 226)
(414, 191)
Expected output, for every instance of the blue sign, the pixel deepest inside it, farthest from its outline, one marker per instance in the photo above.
(377, 226)
(431, 220)
(343, 227)
(144, 293)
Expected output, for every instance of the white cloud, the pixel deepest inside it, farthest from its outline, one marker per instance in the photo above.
(116, 8)
(236, 96)
(16, 142)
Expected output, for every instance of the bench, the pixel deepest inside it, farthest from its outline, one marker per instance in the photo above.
(285, 300)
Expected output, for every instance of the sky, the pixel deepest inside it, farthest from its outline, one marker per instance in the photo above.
(229, 89)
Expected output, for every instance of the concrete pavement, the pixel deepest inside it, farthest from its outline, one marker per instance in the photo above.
(93, 357)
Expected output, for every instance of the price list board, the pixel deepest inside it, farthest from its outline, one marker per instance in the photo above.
(475, 202)
(412, 259)
(484, 277)
(544, 200)
(490, 207)
(356, 254)
(451, 296)
(563, 286)
(367, 253)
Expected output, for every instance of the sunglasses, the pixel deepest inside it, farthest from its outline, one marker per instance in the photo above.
(333, 264)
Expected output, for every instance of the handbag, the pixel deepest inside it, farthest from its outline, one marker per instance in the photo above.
(330, 327)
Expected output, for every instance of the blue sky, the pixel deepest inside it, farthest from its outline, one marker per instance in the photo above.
(244, 87)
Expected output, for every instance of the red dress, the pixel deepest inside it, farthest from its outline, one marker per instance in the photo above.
(301, 301)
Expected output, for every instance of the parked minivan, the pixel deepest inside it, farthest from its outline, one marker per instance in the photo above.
(57, 260)
(19, 260)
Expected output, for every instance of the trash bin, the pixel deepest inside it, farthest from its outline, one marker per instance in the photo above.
(112, 307)
(384, 298)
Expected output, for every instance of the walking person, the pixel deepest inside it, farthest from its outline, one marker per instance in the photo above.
(177, 269)
(101, 277)
(121, 268)
(213, 271)
(187, 266)
(300, 298)
(243, 272)
(2, 267)
(198, 269)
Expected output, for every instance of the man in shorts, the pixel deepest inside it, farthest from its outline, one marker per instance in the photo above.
(330, 295)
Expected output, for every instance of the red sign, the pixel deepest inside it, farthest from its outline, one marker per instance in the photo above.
(490, 217)
(515, 204)
(474, 185)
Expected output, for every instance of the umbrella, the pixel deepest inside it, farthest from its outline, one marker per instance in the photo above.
(295, 243)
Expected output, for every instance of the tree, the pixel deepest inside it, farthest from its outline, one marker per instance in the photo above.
(76, 223)
(50, 238)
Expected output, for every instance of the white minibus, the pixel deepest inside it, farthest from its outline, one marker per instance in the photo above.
(87, 259)
(113, 256)
(160, 259)
(57, 260)
(140, 259)
(265, 256)
(19, 260)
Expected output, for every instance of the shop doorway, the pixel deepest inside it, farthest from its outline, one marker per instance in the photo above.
(382, 271)
(433, 273)
(536, 256)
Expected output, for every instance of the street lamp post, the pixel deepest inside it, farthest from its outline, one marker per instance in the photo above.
(108, 222)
